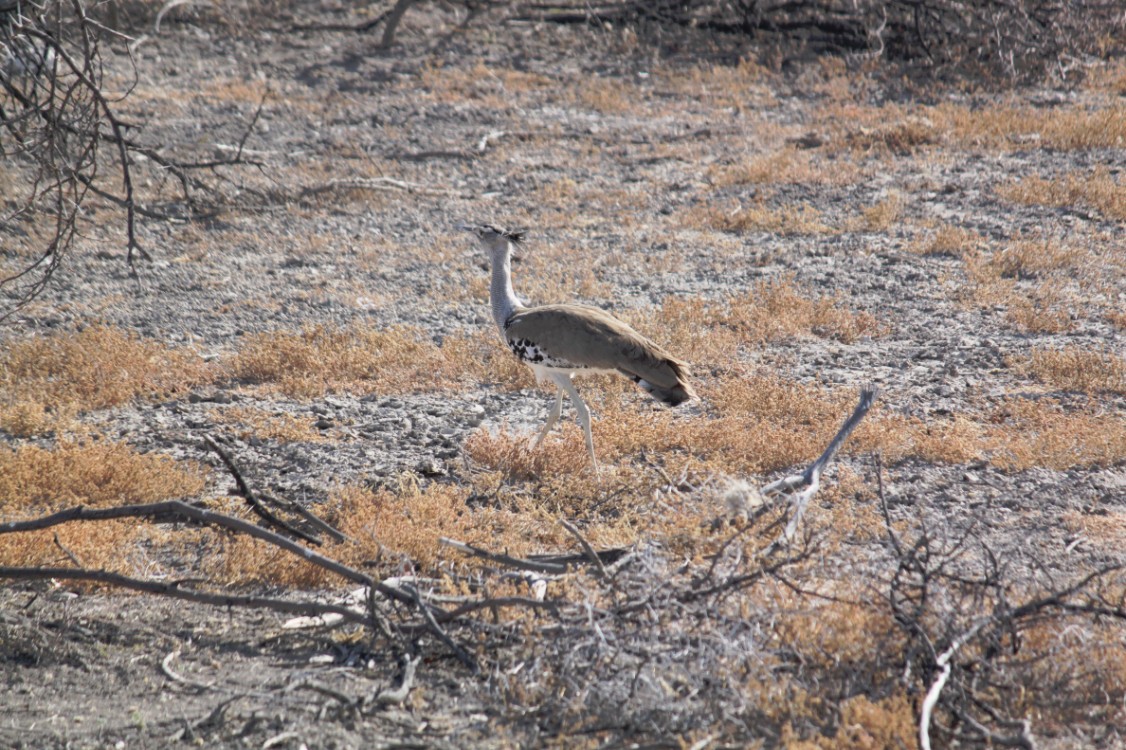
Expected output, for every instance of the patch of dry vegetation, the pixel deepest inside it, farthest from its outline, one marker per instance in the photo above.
(361, 359)
(96, 474)
(1075, 368)
(1026, 433)
(948, 239)
(707, 332)
(1097, 190)
(785, 220)
(788, 165)
(882, 215)
(904, 130)
(247, 422)
(1033, 279)
(1064, 128)
(745, 87)
(36, 481)
(46, 381)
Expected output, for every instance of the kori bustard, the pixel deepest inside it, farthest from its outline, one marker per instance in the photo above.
(561, 341)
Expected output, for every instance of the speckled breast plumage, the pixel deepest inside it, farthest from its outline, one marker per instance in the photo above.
(531, 353)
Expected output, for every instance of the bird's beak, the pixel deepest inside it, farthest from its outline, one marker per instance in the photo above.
(465, 226)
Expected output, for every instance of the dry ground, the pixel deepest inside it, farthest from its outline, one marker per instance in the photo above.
(793, 230)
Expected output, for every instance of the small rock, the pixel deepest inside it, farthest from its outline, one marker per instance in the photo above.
(324, 423)
(431, 467)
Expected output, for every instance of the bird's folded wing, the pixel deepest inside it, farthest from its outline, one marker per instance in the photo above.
(590, 337)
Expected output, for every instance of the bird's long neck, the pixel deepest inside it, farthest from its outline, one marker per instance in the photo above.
(501, 296)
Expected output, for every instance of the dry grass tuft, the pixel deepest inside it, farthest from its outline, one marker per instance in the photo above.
(105, 545)
(513, 454)
(1030, 433)
(1077, 369)
(1043, 308)
(1062, 128)
(480, 356)
(705, 333)
(901, 137)
(319, 359)
(951, 240)
(97, 474)
(955, 441)
(251, 422)
(789, 165)
(45, 381)
(882, 216)
(786, 220)
(775, 309)
(1030, 258)
(36, 481)
(1106, 529)
(1097, 190)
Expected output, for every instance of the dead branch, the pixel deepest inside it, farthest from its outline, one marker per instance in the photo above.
(495, 603)
(252, 499)
(398, 694)
(810, 479)
(166, 668)
(210, 518)
(174, 591)
(463, 656)
(587, 549)
(65, 128)
(547, 568)
(307, 683)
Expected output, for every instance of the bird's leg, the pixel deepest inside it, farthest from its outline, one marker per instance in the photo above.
(552, 417)
(564, 382)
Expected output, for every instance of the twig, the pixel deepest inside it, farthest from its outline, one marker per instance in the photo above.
(336, 534)
(943, 664)
(512, 562)
(372, 183)
(310, 684)
(174, 591)
(587, 549)
(398, 694)
(463, 656)
(811, 477)
(166, 668)
(212, 518)
(884, 508)
(252, 499)
(500, 601)
(73, 558)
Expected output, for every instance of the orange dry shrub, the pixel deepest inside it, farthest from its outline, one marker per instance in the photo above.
(707, 332)
(45, 381)
(1075, 368)
(775, 309)
(950, 240)
(35, 481)
(480, 356)
(390, 529)
(1097, 190)
(320, 359)
(954, 441)
(1026, 433)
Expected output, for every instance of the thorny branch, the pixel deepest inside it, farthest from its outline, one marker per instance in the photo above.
(56, 123)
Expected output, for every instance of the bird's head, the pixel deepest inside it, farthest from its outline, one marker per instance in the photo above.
(496, 240)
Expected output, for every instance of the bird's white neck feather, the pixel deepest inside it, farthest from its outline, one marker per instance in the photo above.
(503, 299)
